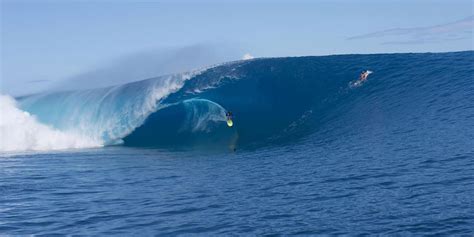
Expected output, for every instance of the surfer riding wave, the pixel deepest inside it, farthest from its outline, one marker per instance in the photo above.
(228, 116)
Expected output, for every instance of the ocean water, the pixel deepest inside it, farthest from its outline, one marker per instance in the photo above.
(308, 154)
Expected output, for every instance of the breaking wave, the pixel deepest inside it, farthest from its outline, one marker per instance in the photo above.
(274, 100)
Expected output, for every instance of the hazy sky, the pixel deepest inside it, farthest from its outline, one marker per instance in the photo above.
(43, 42)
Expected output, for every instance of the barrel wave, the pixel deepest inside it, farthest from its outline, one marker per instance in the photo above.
(274, 101)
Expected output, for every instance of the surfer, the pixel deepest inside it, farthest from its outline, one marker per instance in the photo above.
(363, 76)
(228, 116)
(362, 79)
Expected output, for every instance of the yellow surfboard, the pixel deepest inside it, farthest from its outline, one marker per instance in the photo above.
(230, 123)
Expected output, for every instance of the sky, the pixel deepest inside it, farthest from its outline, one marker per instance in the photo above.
(47, 43)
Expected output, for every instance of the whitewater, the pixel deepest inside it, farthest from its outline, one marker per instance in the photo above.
(20, 131)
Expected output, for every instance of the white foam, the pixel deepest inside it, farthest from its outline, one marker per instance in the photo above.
(20, 131)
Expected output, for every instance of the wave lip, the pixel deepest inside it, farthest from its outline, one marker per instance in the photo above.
(106, 114)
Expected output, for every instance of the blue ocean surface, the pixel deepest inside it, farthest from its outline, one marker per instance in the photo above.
(308, 153)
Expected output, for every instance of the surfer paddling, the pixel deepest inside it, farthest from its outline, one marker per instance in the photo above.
(363, 76)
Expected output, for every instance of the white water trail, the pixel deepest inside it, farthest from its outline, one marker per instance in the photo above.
(21, 131)
(202, 112)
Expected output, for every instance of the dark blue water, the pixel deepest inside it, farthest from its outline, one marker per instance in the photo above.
(289, 190)
(314, 156)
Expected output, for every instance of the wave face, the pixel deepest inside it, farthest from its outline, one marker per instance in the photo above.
(274, 101)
